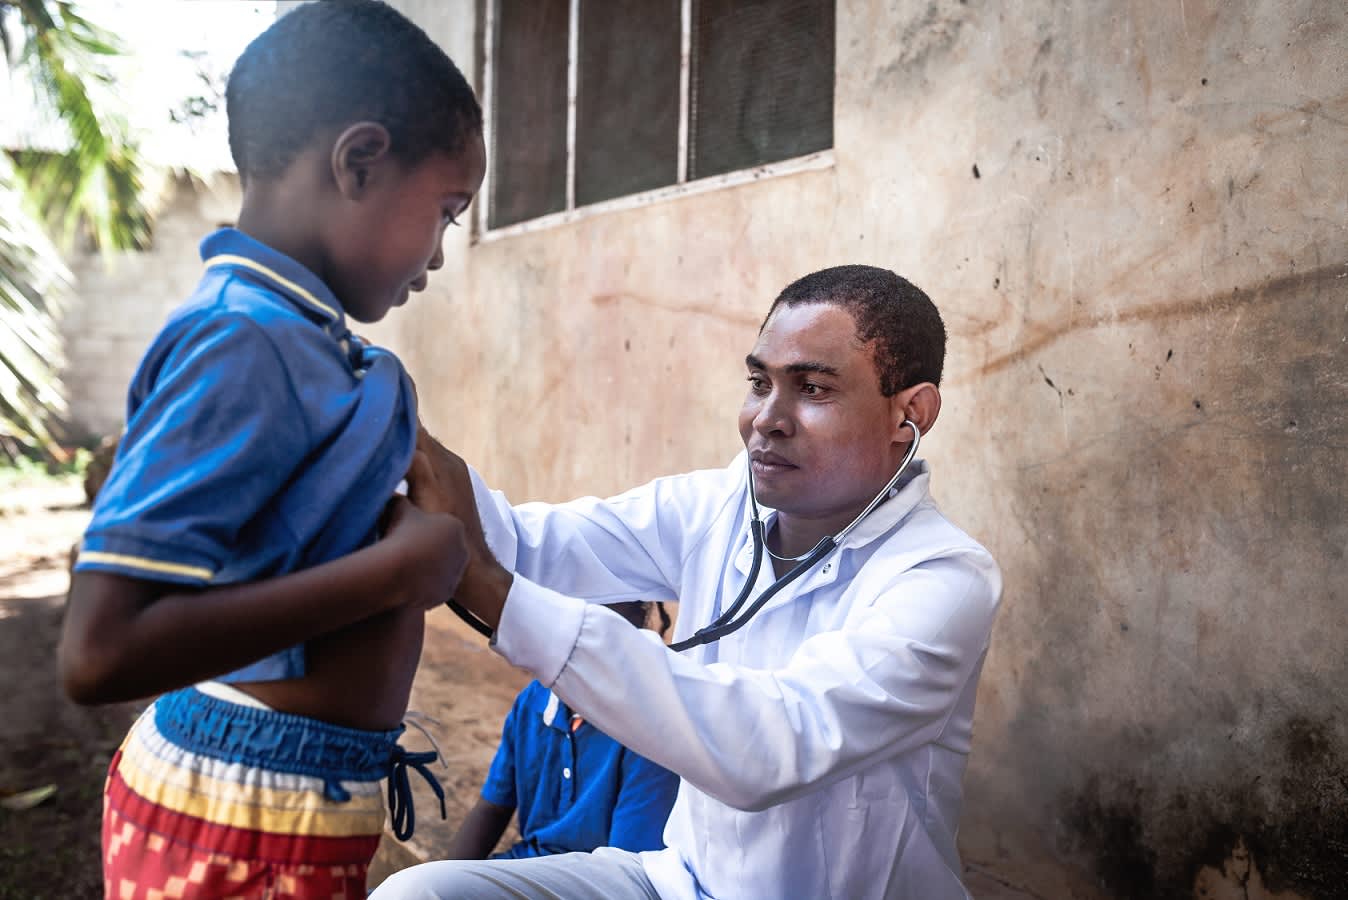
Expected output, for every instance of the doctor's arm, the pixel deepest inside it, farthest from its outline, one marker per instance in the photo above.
(885, 683)
(600, 550)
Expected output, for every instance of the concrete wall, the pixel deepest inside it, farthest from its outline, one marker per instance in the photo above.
(121, 300)
(1134, 218)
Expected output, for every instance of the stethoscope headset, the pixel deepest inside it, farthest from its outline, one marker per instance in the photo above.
(727, 623)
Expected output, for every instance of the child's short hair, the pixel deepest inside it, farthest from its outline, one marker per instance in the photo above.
(638, 612)
(326, 65)
(905, 325)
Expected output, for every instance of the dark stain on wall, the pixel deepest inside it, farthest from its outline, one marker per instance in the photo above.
(1307, 847)
(1144, 846)
(1110, 831)
(1171, 649)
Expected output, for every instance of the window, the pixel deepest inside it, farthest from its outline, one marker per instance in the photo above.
(591, 101)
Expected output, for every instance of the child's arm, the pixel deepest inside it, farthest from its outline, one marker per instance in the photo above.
(126, 638)
(487, 821)
(480, 831)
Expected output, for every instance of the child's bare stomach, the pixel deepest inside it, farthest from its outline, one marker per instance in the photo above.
(359, 676)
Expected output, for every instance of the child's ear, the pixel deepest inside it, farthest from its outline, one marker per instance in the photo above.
(357, 155)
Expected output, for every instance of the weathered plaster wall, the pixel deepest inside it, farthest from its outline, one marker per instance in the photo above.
(1134, 216)
(120, 300)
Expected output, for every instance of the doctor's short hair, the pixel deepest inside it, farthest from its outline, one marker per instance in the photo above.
(324, 66)
(907, 330)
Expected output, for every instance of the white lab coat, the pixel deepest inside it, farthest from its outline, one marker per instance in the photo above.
(822, 746)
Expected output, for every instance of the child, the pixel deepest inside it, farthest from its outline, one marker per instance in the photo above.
(231, 560)
(575, 788)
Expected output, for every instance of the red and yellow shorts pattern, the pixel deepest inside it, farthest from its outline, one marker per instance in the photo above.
(185, 824)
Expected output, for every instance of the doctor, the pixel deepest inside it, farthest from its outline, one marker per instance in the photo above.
(822, 745)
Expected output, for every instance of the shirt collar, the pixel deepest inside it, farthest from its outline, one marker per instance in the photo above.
(908, 493)
(231, 248)
(556, 715)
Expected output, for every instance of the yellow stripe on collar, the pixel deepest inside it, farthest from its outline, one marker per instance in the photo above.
(230, 259)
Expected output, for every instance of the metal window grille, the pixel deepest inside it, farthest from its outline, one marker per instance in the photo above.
(762, 79)
(529, 117)
(627, 98)
(594, 100)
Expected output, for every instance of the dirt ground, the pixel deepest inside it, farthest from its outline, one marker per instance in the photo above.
(51, 850)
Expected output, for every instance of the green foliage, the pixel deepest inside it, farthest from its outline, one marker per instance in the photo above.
(89, 187)
(25, 471)
(33, 280)
(93, 184)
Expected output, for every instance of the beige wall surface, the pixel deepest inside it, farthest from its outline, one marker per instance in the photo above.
(1134, 218)
(120, 300)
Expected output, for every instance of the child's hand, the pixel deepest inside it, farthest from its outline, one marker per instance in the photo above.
(433, 550)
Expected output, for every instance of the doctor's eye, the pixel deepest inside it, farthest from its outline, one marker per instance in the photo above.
(757, 383)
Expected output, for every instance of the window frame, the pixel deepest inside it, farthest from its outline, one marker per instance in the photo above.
(682, 187)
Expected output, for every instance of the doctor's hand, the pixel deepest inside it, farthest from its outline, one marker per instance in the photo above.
(445, 485)
(432, 552)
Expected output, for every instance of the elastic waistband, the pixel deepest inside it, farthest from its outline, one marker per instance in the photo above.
(277, 741)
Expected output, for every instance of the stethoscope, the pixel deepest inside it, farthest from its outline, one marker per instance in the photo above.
(727, 623)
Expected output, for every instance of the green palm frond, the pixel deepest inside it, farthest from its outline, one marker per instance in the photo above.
(33, 280)
(94, 183)
(87, 185)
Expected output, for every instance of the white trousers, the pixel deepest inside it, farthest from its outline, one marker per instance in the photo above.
(605, 874)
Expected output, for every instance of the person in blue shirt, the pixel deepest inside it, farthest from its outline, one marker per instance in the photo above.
(232, 559)
(574, 787)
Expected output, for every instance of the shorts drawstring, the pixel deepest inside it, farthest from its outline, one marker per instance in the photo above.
(401, 807)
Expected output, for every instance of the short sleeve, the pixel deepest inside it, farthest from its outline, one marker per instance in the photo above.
(499, 788)
(645, 798)
(214, 432)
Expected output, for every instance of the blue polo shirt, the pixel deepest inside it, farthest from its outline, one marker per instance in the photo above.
(262, 436)
(574, 790)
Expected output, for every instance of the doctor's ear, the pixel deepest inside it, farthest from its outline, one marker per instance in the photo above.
(920, 404)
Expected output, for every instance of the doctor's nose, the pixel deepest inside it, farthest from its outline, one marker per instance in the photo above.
(438, 260)
(773, 418)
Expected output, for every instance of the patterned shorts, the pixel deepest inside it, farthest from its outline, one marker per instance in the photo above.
(210, 799)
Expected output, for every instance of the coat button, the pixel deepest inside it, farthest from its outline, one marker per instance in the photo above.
(566, 773)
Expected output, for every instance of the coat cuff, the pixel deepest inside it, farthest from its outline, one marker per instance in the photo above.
(538, 629)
